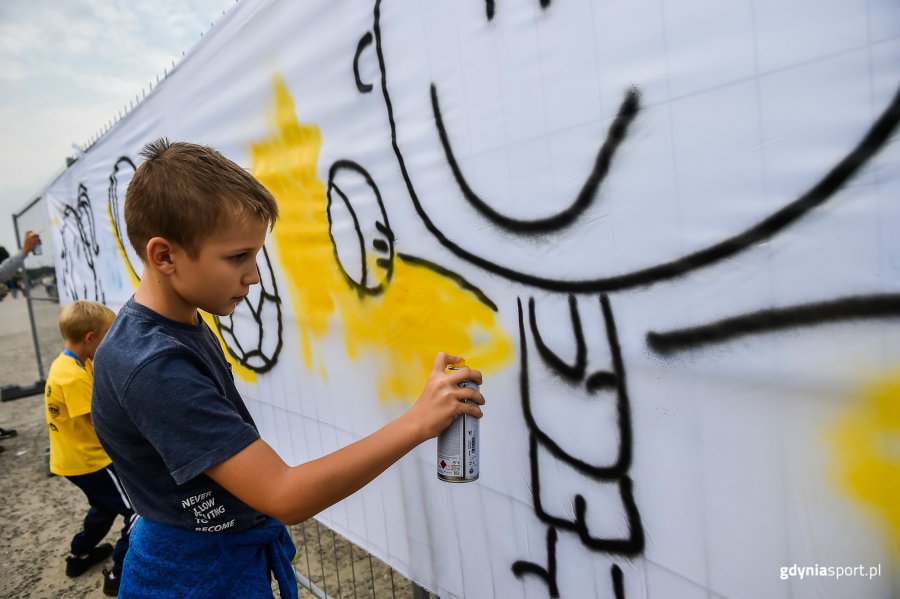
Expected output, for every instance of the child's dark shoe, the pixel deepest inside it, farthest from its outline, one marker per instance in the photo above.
(78, 565)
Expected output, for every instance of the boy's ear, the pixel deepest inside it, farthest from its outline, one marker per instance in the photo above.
(159, 255)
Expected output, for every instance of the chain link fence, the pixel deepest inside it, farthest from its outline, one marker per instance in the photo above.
(329, 566)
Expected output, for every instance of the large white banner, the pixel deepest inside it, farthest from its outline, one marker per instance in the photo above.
(666, 231)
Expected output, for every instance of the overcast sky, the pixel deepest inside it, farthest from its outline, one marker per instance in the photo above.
(67, 67)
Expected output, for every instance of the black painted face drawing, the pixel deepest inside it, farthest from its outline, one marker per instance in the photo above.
(595, 146)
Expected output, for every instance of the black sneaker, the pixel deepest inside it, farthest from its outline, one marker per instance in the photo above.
(110, 583)
(76, 566)
(6, 433)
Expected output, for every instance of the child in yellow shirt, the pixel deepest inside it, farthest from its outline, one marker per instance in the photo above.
(75, 450)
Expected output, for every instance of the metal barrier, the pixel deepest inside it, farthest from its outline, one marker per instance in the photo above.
(329, 566)
(37, 284)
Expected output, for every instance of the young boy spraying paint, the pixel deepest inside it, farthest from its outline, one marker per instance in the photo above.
(212, 495)
(75, 451)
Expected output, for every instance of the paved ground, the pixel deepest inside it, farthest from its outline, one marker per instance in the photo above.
(39, 513)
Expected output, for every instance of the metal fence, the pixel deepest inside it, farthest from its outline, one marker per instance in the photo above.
(37, 284)
(328, 566)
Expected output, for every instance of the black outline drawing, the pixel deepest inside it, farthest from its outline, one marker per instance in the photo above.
(255, 358)
(383, 244)
(867, 307)
(78, 224)
(874, 139)
(614, 138)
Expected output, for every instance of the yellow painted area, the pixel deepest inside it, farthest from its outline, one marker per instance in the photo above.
(420, 312)
(242, 371)
(135, 279)
(867, 444)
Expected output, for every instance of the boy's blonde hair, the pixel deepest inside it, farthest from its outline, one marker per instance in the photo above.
(185, 192)
(82, 317)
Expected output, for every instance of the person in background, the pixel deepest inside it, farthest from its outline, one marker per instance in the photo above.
(75, 451)
(8, 268)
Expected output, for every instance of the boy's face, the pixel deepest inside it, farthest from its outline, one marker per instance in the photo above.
(220, 276)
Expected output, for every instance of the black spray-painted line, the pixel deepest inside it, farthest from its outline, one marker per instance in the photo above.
(521, 567)
(871, 143)
(364, 43)
(618, 583)
(870, 307)
(385, 245)
(602, 380)
(449, 274)
(85, 240)
(89, 236)
(489, 9)
(617, 469)
(575, 372)
(614, 138)
(67, 281)
(382, 226)
(249, 359)
(360, 286)
(113, 200)
(380, 245)
(633, 544)
(598, 381)
(624, 403)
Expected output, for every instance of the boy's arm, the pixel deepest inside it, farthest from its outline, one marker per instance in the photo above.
(260, 478)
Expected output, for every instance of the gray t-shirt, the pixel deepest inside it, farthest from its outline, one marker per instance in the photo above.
(166, 409)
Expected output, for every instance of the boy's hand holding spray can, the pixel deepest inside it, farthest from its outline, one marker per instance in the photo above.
(457, 446)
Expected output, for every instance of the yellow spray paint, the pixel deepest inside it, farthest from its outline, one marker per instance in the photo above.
(135, 279)
(236, 367)
(420, 312)
(867, 444)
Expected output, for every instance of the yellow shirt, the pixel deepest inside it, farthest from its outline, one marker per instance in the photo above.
(74, 446)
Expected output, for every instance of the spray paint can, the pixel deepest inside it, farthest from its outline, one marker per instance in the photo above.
(458, 445)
